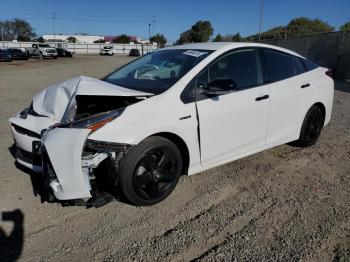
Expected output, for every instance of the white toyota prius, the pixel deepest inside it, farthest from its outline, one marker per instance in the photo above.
(177, 111)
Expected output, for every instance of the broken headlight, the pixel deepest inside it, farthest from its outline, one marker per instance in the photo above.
(97, 121)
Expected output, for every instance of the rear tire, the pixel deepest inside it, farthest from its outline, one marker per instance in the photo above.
(311, 128)
(150, 171)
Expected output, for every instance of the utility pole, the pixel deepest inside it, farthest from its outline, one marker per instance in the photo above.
(149, 31)
(154, 25)
(53, 24)
(2, 38)
(261, 16)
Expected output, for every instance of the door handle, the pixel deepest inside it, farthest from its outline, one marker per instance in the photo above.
(305, 85)
(262, 98)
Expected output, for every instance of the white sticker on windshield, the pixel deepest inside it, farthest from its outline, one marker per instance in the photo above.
(194, 53)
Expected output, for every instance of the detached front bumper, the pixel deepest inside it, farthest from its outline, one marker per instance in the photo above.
(26, 133)
(27, 148)
(64, 148)
(70, 163)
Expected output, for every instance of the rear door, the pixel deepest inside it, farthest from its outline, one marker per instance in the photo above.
(236, 122)
(290, 92)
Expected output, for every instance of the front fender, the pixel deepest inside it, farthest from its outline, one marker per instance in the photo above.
(147, 118)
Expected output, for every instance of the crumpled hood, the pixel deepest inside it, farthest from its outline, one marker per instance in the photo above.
(54, 100)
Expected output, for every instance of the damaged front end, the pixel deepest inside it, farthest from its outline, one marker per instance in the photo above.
(85, 172)
(77, 167)
(56, 129)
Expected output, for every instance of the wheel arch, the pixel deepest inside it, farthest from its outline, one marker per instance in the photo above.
(181, 145)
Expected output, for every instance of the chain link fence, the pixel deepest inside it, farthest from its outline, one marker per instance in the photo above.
(86, 49)
(331, 50)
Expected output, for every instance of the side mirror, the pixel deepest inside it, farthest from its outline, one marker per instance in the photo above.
(222, 84)
(219, 87)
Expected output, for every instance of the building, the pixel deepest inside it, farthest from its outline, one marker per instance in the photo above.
(81, 38)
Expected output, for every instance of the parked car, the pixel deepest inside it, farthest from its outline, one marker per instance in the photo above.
(62, 52)
(41, 51)
(17, 54)
(5, 55)
(107, 50)
(134, 52)
(178, 111)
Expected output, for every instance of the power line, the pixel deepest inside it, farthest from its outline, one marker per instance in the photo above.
(103, 20)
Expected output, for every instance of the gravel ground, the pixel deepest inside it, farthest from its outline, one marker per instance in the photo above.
(283, 204)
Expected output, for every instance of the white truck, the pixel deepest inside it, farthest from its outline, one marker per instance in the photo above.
(41, 51)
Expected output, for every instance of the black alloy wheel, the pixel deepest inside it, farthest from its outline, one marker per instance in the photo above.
(311, 128)
(155, 173)
(150, 171)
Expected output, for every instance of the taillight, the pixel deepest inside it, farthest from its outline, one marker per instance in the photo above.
(329, 73)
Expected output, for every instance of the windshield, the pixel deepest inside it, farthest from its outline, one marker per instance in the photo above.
(44, 45)
(158, 71)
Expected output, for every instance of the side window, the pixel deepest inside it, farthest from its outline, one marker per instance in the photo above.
(298, 65)
(240, 66)
(309, 65)
(278, 65)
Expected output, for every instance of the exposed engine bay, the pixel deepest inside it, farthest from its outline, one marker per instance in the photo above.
(87, 106)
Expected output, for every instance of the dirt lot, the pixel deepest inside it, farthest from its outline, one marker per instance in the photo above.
(283, 204)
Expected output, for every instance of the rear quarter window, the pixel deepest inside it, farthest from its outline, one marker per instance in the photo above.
(298, 65)
(309, 65)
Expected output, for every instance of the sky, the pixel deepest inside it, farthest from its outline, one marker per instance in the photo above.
(170, 18)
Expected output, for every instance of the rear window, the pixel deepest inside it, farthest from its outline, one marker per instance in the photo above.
(309, 64)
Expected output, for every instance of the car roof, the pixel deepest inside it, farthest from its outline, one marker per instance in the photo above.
(215, 46)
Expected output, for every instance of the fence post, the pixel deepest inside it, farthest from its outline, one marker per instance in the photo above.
(306, 45)
(340, 53)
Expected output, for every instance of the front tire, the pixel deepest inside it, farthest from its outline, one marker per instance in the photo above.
(311, 128)
(150, 171)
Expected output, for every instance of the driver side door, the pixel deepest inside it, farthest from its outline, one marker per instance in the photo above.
(235, 122)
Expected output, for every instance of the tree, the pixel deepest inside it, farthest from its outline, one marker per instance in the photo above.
(296, 27)
(122, 39)
(278, 32)
(218, 38)
(184, 38)
(17, 29)
(305, 26)
(237, 38)
(345, 27)
(40, 39)
(159, 39)
(71, 39)
(100, 41)
(199, 32)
